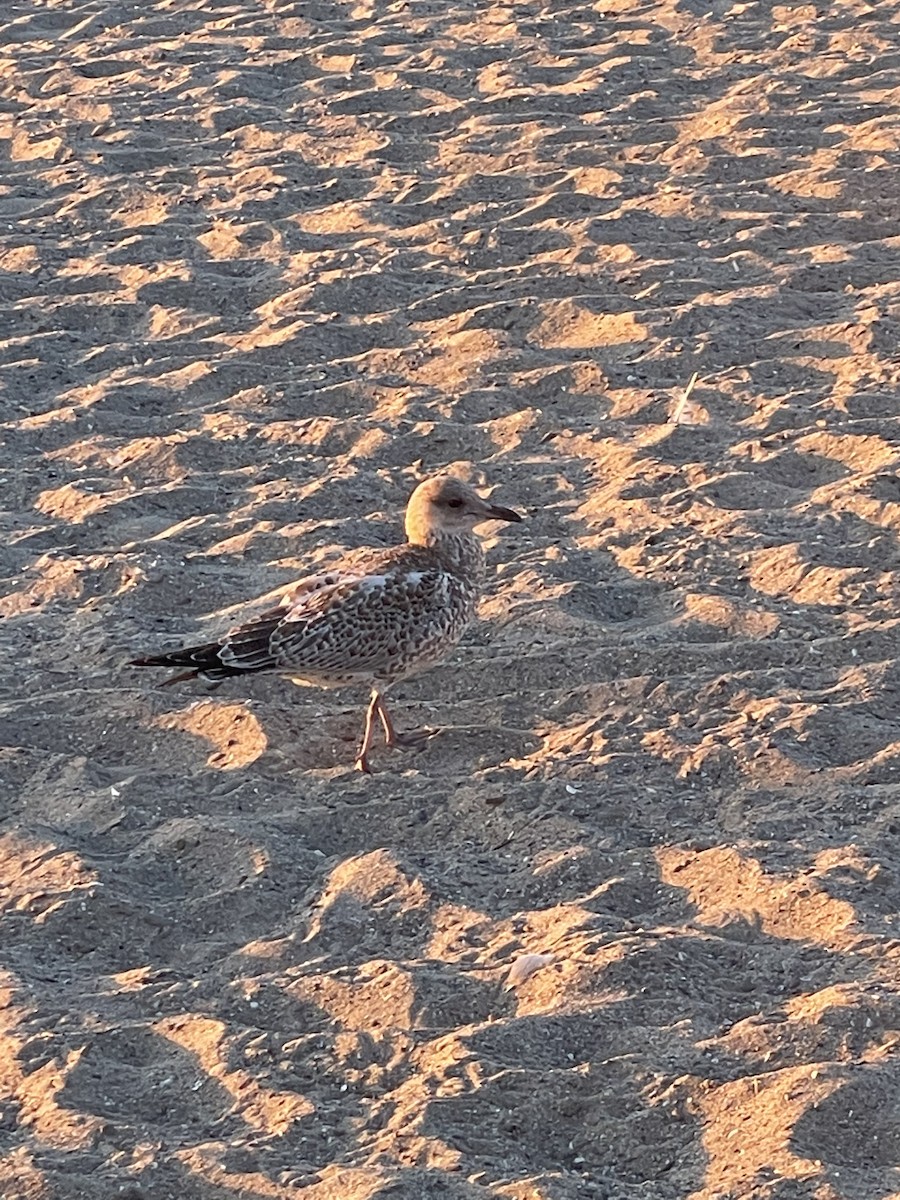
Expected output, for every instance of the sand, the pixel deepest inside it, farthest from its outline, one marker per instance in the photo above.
(262, 266)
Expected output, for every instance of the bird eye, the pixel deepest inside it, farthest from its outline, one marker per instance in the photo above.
(457, 503)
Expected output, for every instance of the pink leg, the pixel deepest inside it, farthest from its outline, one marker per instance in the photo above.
(400, 740)
(362, 758)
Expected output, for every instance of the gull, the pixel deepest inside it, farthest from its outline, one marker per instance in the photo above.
(375, 617)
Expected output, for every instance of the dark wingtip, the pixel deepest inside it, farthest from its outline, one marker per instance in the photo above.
(180, 678)
(153, 661)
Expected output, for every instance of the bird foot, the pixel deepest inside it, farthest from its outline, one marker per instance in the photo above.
(413, 737)
(400, 741)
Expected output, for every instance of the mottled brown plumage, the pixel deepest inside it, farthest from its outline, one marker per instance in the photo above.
(375, 617)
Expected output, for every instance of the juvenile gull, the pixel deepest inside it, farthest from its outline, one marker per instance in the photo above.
(374, 617)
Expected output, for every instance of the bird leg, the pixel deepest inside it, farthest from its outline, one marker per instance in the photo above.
(400, 740)
(362, 758)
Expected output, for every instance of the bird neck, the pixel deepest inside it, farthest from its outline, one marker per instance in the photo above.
(462, 552)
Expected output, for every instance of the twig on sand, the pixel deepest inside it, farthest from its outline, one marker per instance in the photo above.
(678, 411)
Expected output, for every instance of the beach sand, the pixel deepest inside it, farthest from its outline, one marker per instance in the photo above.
(265, 265)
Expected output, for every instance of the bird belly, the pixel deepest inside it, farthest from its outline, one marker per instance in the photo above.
(326, 681)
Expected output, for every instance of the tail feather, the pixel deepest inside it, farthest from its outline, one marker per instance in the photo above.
(200, 660)
(244, 650)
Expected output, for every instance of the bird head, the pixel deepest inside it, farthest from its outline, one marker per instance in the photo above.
(446, 505)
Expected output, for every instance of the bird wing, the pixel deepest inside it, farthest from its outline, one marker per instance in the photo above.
(346, 623)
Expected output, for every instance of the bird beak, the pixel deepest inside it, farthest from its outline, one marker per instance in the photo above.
(495, 512)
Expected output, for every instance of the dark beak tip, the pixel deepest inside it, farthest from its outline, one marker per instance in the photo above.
(505, 514)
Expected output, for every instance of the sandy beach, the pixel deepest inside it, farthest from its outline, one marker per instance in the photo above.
(636, 267)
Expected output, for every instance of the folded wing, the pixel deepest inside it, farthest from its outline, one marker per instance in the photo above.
(339, 626)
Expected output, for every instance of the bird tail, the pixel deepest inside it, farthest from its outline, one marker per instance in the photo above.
(200, 660)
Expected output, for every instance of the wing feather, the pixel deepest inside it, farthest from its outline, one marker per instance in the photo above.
(353, 624)
(376, 613)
